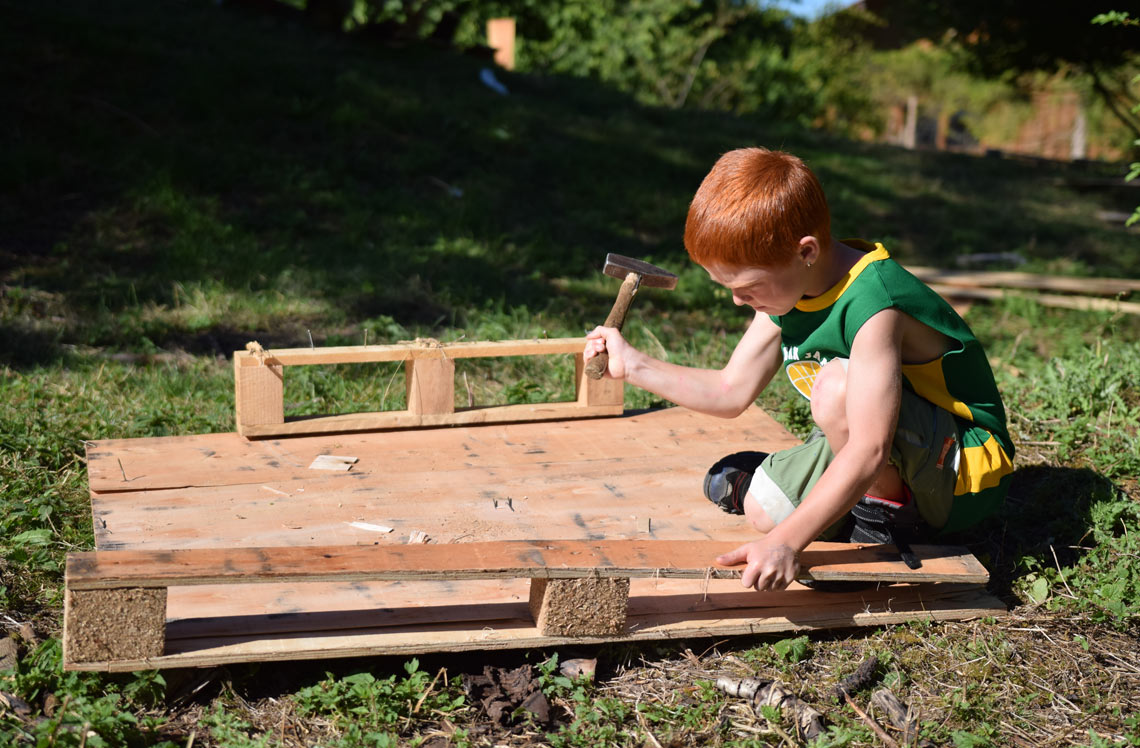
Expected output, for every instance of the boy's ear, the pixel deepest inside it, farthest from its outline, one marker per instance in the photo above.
(809, 250)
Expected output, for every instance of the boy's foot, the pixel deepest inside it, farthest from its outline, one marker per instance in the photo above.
(886, 522)
(727, 481)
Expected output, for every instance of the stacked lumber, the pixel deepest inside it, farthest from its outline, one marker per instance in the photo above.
(1084, 294)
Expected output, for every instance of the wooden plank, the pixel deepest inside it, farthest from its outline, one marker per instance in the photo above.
(545, 559)
(1033, 281)
(365, 354)
(1080, 303)
(403, 419)
(935, 605)
(676, 436)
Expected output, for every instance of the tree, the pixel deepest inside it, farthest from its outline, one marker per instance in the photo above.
(1012, 36)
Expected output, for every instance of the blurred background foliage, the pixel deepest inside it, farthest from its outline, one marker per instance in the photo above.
(980, 70)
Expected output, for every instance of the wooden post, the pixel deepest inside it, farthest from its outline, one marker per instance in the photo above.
(604, 391)
(501, 38)
(258, 395)
(116, 624)
(580, 607)
(431, 385)
(910, 126)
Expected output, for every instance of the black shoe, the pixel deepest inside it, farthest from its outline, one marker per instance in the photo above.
(727, 481)
(880, 521)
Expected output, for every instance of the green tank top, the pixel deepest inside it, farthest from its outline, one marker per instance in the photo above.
(961, 381)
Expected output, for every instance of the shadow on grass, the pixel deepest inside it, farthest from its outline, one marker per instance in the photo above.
(161, 152)
(1045, 523)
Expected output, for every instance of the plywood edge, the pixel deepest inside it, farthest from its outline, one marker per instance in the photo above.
(549, 559)
(522, 634)
(403, 419)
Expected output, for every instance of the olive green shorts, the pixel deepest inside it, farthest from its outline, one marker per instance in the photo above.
(925, 451)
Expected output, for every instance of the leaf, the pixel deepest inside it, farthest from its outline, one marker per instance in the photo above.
(792, 650)
(1039, 590)
(33, 537)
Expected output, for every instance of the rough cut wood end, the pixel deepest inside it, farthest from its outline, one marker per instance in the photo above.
(116, 624)
(579, 607)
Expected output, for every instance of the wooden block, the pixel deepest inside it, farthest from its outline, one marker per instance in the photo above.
(115, 624)
(579, 607)
(431, 385)
(501, 38)
(604, 391)
(258, 395)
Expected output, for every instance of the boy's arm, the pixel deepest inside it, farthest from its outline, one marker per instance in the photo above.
(720, 392)
(874, 389)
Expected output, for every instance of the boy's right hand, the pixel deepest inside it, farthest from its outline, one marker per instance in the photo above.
(608, 339)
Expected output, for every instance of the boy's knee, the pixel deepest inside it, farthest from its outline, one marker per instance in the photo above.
(829, 394)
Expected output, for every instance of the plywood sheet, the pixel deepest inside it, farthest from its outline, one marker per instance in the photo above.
(636, 476)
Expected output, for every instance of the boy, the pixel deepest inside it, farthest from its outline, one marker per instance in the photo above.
(913, 435)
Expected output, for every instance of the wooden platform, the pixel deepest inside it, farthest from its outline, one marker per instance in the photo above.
(631, 477)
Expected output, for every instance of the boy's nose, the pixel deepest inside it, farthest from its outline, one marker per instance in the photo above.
(737, 300)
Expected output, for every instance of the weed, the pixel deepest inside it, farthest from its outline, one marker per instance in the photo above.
(90, 709)
(367, 709)
(793, 650)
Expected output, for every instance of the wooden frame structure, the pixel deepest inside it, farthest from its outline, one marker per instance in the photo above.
(543, 527)
(430, 385)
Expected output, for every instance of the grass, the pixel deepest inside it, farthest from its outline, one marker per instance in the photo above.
(183, 178)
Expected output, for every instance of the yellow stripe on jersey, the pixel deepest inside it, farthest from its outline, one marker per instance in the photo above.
(826, 299)
(982, 467)
(929, 383)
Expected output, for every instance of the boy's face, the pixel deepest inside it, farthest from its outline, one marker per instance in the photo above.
(769, 290)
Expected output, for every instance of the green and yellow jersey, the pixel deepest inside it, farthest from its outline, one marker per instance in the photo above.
(960, 381)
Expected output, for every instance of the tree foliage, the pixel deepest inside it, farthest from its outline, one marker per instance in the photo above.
(1006, 37)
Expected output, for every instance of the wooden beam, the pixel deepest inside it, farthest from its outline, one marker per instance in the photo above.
(1080, 303)
(1033, 281)
(547, 559)
(365, 354)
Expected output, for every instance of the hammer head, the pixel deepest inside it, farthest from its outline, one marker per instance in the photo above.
(652, 276)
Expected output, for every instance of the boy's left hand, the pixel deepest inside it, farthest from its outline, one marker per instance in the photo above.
(771, 566)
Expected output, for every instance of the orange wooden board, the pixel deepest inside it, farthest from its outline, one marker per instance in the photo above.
(636, 476)
(500, 559)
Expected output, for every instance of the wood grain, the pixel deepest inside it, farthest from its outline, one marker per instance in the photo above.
(545, 559)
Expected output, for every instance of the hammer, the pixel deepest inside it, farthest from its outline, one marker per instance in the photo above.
(635, 274)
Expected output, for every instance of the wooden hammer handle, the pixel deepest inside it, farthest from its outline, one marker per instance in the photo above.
(596, 366)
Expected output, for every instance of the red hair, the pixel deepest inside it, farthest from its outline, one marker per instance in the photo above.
(753, 208)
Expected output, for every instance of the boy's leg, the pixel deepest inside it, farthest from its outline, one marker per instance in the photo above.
(829, 410)
(916, 486)
(923, 463)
